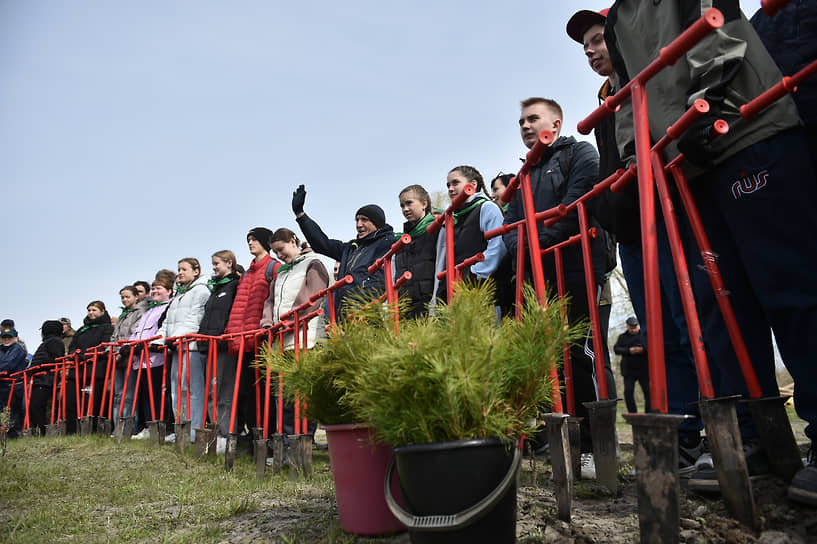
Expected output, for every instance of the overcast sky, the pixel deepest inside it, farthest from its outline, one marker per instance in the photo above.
(133, 134)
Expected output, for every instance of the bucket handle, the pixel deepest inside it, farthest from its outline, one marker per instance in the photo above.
(450, 522)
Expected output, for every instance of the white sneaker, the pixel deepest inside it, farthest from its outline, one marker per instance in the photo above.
(704, 462)
(221, 445)
(588, 471)
(142, 435)
(171, 438)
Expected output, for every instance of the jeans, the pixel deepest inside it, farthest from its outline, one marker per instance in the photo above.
(195, 411)
(682, 380)
(119, 384)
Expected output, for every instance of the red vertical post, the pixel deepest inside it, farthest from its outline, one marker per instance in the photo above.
(237, 382)
(592, 306)
(649, 249)
(684, 284)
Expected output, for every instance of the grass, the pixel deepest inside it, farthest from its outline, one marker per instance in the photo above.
(72, 489)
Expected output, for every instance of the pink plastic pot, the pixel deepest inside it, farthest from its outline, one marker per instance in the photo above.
(359, 468)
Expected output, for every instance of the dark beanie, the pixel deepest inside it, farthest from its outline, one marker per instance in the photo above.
(373, 213)
(51, 328)
(263, 235)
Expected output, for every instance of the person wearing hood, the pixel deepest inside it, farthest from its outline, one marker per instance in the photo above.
(567, 170)
(47, 353)
(374, 239)
(224, 286)
(96, 329)
(183, 316)
(478, 215)
(12, 359)
(419, 256)
(245, 315)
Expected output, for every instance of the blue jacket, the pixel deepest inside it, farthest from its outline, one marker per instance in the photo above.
(791, 39)
(13, 359)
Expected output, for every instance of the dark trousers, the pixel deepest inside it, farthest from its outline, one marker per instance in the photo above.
(643, 379)
(39, 407)
(764, 236)
(682, 379)
(585, 383)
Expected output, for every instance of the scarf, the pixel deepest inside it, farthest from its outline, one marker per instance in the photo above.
(421, 226)
(153, 304)
(288, 266)
(125, 312)
(467, 209)
(213, 283)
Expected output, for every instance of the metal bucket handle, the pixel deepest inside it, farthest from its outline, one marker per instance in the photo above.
(450, 522)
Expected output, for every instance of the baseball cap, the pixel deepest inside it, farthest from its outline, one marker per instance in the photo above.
(8, 331)
(632, 321)
(584, 19)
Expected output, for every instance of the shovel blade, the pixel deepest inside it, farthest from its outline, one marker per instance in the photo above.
(277, 453)
(605, 442)
(561, 461)
(655, 443)
(723, 434)
(260, 453)
(774, 430)
(182, 430)
(229, 452)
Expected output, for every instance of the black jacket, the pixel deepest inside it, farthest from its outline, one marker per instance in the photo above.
(631, 363)
(550, 188)
(92, 333)
(419, 259)
(354, 256)
(618, 213)
(51, 348)
(217, 309)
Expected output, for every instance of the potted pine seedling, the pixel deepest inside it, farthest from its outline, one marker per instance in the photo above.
(321, 377)
(453, 393)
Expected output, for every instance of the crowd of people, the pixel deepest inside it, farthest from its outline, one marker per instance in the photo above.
(765, 261)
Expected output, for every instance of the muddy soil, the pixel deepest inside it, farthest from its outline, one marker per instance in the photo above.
(597, 517)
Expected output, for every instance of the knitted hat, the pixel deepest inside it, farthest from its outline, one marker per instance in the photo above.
(373, 213)
(263, 235)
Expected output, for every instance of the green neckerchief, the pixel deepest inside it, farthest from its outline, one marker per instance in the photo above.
(421, 226)
(287, 266)
(505, 207)
(84, 328)
(468, 208)
(153, 304)
(182, 289)
(125, 311)
(212, 284)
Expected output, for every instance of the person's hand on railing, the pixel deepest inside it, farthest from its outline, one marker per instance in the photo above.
(696, 142)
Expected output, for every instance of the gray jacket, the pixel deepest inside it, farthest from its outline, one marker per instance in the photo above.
(728, 68)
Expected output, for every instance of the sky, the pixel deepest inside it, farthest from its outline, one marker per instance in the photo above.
(133, 134)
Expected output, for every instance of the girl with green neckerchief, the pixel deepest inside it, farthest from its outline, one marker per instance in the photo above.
(132, 310)
(418, 257)
(223, 286)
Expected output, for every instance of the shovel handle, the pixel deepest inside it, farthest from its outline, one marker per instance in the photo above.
(451, 522)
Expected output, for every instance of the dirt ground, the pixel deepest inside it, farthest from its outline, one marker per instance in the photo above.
(597, 517)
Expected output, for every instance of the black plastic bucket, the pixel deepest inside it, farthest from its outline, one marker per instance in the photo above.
(459, 491)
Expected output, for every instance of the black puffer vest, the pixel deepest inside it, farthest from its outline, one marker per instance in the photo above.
(418, 258)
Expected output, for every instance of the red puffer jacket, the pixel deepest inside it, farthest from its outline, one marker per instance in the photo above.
(248, 305)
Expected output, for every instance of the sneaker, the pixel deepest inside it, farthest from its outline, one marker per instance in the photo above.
(705, 478)
(588, 471)
(142, 435)
(688, 457)
(803, 488)
(221, 445)
(170, 439)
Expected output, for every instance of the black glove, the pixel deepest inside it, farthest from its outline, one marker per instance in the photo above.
(137, 350)
(298, 199)
(155, 348)
(695, 144)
